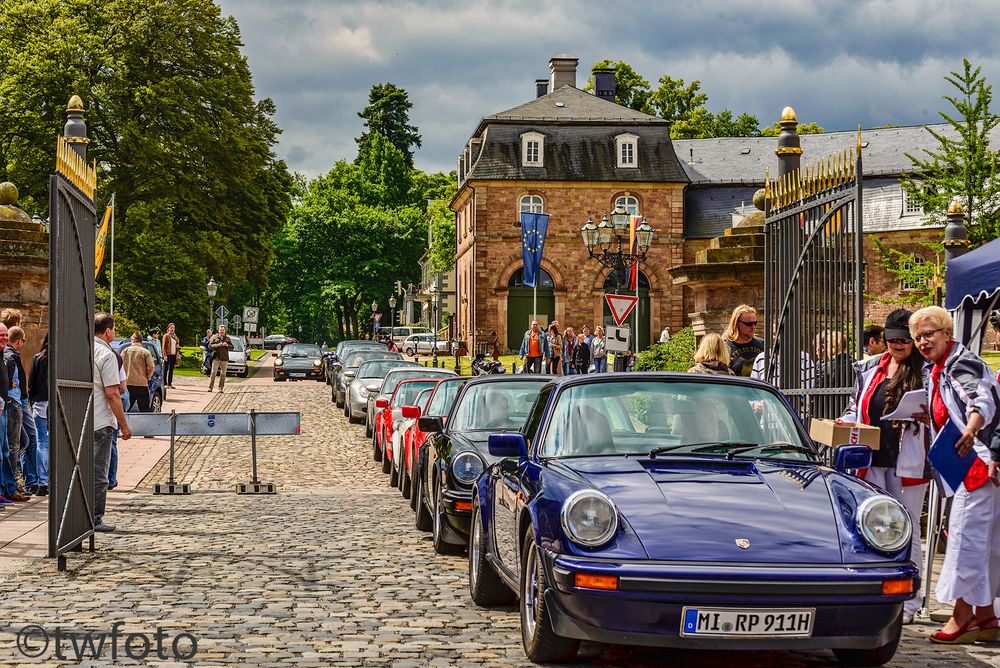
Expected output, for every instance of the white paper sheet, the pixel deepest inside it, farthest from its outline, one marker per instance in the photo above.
(914, 401)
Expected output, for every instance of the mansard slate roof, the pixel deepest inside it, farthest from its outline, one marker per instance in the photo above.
(579, 142)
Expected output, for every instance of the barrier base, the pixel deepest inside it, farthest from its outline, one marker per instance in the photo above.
(256, 488)
(172, 488)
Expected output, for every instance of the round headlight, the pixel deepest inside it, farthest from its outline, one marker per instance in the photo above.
(884, 523)
(467, 467)
(279, 362)
(589, 518)
(317, 362)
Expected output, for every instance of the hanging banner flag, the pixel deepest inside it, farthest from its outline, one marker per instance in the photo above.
(101, 242)
(533, 229)
(633, 245)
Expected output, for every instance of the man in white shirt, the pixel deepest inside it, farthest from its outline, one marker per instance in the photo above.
(108, 413)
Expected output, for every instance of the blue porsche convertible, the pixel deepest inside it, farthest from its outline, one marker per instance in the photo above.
(685, 511)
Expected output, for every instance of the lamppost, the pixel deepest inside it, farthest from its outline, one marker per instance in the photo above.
(374, 311)
(433, 302)
(392, 312)
(608, 243)
(213, 289)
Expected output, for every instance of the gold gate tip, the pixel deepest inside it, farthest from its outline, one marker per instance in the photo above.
(75, 104)
(788, 115)
(956, 207)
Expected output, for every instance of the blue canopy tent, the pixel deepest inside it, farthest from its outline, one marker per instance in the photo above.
(972, 291)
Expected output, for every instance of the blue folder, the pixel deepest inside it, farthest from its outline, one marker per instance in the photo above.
(951, 468)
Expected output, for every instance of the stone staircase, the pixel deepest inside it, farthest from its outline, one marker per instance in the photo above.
(20, 239)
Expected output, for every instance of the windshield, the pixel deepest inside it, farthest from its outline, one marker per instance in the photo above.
(237, 343)
(394, 379)
(424, 397)
(407, 393)
(444, 397)
(356, 358)
(495, 406)
(378, 369)
(301, 350)
(638, 417)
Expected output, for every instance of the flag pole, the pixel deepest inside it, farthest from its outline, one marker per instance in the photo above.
(112, 309)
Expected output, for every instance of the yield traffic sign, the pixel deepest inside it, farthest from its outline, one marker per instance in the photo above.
(621, 306)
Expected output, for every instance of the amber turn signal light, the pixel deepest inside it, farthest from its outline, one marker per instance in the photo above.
(463, 505)
(588, 581)
(892, 587)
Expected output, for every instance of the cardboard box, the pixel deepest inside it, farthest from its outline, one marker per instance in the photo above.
(830, 433)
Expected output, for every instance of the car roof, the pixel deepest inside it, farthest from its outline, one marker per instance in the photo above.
(501, 378)
(674, 376)
(430, 371)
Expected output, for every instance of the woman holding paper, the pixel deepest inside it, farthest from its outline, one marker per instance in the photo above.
(961, 389)
(899, 466)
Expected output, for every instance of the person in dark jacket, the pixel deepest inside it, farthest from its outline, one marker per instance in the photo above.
(38, 395)
(581, 356)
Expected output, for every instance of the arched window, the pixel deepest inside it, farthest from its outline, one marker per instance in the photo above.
(630, 203)
(609, 282)
(532, 204)
(544, 279)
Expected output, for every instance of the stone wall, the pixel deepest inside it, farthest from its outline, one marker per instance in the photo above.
(24, 271)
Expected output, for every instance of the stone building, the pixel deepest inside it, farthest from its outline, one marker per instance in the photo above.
(563, 152)
(24, 270)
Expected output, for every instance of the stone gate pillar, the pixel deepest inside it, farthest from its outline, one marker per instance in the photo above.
(24, 270)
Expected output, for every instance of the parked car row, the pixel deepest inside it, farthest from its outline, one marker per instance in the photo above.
(651, 509)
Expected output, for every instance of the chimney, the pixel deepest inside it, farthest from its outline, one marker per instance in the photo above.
(604, 83)
(563, 69)
(541, 87)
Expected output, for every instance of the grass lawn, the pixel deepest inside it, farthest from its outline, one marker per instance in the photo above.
(992, 358)
(448, 362)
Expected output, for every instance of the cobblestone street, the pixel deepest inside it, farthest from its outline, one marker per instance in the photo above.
(330, 571)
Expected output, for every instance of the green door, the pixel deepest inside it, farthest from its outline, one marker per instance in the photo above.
(642, 307)
(519, 306)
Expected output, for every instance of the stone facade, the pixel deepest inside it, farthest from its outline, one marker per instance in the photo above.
(24, 270)
(489, 251)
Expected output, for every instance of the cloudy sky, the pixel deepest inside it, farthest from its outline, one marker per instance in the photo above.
(839, 62)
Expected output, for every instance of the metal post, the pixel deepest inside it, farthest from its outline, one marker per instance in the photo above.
(173, 435)
(930, 546)
(253, 444)
(171, 486)
(211, 313)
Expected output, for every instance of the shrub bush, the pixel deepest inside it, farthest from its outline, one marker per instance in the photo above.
(677, 354)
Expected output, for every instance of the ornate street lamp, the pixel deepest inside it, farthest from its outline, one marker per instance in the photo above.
(213, 289)
(374, 311)
(392, 310)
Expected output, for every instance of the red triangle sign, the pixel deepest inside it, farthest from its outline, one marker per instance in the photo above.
(621, 306)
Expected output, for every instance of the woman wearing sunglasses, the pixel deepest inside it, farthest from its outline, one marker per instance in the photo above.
(900, 465)
(961, 388)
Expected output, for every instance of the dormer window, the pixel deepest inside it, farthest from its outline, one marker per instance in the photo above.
(532, 149)
(627, 150)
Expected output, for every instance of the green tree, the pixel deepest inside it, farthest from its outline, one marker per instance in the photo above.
(388, 114)
(631, 89)
(175, 130)
(443, 235)
(927, 276)
(384, 176)
(803, 129)
(963, 166)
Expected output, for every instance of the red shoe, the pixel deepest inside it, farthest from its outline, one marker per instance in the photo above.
(966, 634)
(989, 630)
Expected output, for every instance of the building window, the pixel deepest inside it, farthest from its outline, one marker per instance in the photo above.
(910, 208)
(914, 283)
(627, 149)
(629, 203)
(532, 149)
(532, 204)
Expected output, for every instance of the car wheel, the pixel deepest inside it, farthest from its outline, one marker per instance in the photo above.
(156, 405)
(279, 380)
(393, 474)
(244, 373)
(351, 418)
(386, 462)
(368, 427)
(405, 484)
(485, 586)
(541, 644)
(872, 657)
(413, 479)
(422, 516)
(376, 453)
(409, 352)
(347, 410)
(437, 530)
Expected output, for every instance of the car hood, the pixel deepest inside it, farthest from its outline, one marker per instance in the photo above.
(688, 509)
(299, 363)
(472, 440)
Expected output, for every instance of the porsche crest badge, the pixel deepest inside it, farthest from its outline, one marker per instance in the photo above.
(743, 543)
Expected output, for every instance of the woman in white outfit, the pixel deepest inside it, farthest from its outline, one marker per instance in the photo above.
(900, 465)
(961, 388)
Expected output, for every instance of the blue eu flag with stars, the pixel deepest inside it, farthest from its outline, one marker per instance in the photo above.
(533, 228)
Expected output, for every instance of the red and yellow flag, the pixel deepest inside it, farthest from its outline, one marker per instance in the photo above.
(633, 245)
(101, 242)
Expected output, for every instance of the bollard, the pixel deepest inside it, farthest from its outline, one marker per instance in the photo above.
(254, 486)
(171, 486)
(513, 367)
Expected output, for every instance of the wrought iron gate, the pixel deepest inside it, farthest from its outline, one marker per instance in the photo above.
(71, 342)
(814, 282)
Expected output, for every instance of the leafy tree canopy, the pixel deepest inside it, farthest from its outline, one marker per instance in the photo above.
(803, 129)
(388, 114)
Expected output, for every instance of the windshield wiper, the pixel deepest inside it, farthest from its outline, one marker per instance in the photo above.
(740, 448)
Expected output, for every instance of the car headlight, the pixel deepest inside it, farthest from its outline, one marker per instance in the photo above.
(589, 518)
(884, 523)
(317, 362)
(466, 467)
(279, 362)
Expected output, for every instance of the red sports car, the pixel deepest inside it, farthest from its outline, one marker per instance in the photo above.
(388, 418)
(438, 405)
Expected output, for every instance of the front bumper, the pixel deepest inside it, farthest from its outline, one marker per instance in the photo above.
(314, 373)
(851, 611)
(457, 507)
(236, 369)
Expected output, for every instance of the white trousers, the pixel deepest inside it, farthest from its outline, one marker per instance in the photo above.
(971, 569)
(912, 498)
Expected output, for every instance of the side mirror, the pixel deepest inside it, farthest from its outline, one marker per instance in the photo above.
(373, 392)
(381, 403)
(853, 458)
(508, 445)
(411, 412)
(430, 424)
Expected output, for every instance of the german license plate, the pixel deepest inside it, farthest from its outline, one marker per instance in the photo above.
(296, 375)
(748, 623)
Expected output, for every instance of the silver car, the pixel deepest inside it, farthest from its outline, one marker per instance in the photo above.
(368, 379)
(238, 365)
(423, 344)
(345, 373)
(388, 386)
